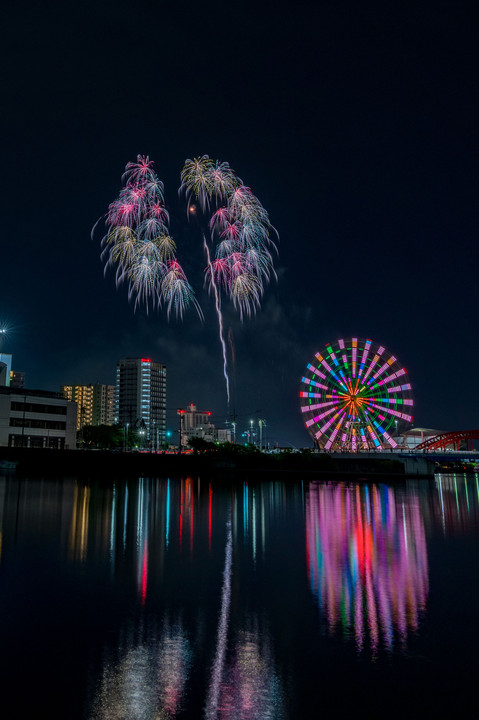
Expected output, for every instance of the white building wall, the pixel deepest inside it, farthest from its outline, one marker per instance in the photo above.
(31, 426)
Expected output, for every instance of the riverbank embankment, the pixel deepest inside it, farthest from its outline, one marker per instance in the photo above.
(104, 463)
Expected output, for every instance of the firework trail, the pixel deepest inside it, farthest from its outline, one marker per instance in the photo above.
(239, 228)
(220, 321)
(138, 244)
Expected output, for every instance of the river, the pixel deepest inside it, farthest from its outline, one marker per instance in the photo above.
(157, 598)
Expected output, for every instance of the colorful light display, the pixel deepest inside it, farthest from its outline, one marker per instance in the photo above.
(367, 562)
(138, 244)
(355, 396)
(235, 224)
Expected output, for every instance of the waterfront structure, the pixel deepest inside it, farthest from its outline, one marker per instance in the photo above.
(355, 396)
(414, 437)
(5, 369)
(141, 398)
(96, 403)
(197, 423)
(36, 418)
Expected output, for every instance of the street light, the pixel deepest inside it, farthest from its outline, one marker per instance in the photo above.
(261, 423)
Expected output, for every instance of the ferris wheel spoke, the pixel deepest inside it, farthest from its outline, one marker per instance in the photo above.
(332, 437)
(353, 394)
(327, 425)
(329, 369)
(394, 413)
(367, 347)
(374, 362)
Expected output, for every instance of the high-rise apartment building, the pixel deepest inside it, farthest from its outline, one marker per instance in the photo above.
(95, 403)
(141, 397)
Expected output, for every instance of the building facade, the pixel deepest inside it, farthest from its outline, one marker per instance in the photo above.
(5, 369)
(17, 379)
(96, 403)
(36, 418)
(197, 423)
(141, 398)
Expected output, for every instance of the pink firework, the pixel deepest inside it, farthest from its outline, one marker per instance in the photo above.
(138, 244)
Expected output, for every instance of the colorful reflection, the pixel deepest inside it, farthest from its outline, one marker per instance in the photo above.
(456, 505)
(250, 689)
(147, 681)
(367, 561)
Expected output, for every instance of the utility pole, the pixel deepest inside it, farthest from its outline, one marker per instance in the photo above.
(180, 412)
(261, 423)
(233, 425)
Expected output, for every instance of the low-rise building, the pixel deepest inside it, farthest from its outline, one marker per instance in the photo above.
(36, 418)
(197, 423)
(17, 379)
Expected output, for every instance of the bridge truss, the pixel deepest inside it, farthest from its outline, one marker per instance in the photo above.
(450, 439)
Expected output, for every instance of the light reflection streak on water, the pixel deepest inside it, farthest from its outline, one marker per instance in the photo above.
(367, 561)
(113, 528)
(181, 515)
(167, 511)
(147, 681)
(253, 522)
(2, 506)
(79, 523)
(458, 508)
(212, 702)
(142, 538)
(210, 507)
(263, 523)
(125, 516)
(191, 506)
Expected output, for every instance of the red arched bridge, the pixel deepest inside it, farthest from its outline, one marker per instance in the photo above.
(454, 439)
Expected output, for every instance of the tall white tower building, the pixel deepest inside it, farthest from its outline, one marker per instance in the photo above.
(141, 397)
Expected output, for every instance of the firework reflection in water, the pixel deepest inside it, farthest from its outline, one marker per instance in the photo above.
(148, 680)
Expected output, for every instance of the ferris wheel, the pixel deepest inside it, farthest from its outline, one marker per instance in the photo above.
(355, 396)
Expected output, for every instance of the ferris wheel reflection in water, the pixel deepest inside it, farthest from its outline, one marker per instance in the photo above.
(367, 562)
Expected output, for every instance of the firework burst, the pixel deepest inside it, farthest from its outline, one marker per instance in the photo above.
(137, 243)
(236, 240)
(239, 231)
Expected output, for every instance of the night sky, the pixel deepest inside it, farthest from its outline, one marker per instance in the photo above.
(355, 123)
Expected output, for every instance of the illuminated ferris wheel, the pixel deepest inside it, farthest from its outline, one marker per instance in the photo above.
(355, 396)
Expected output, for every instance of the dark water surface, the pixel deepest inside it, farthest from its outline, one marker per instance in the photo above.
(157, 599)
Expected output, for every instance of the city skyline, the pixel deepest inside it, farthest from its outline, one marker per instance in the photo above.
(354, 125)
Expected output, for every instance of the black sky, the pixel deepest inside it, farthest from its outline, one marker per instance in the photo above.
(355, 123)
